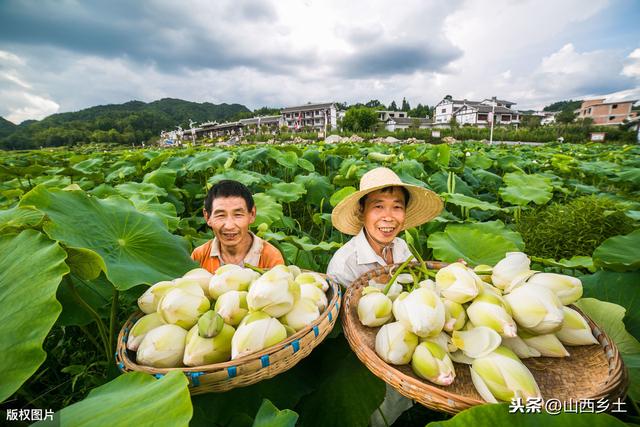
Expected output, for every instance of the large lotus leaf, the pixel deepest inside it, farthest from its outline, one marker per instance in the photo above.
(135, 247)
(619, 288)
(52, 181)
(248, 178)
(121, 173)
(143, 191)
(269, 416)
(31, 268)
(287, 191)
(509, 163)
(498, 415)
(487, 179)
(162, 177)
(208, 160)
(97, 293)
(248, 157)
(632, 362)
(341, 194)
(470, 202)
(18, 218)
(90, 166)
(599, 168)
(479, 161)
(288, 159)
(522, 189)
(268, 210)
(439, 154)
(619, 253)
(576, 261)
(410, 167)
(133, 399)
(631, 176)
(306, 165)
(85, 263)
(306, 245)
(166, 211)
(478, 243)
(318, 187)
(438, 181)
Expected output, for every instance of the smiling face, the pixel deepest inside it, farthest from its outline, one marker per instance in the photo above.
(383, 214)
(229, 219)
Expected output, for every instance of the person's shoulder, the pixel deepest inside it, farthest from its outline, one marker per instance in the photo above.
(271, 255)
(202, 251)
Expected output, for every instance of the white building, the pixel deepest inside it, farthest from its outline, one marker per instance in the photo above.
(384, 115)
(478, 113)
(315, 116)
(399, 123)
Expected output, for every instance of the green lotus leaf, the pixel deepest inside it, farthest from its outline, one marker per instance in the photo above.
(85, 263)
(269, 416)
(287, 191)
(439, 154)
(162, 177)
(318, 187)
(121, 173)
(522, 189)
(470, 202)
(438, 181)
(135, 247)
(306, 245)
(248, 178)
(577, 261)
(477, 243)
(19, 217)
(341, 194)
(134, 399)
(619, 253)
(143, 191)
(208, 160)
(97, 293)
(306, 165)
(631, 176)
(479, 161)
(268, 210)
(90, 166)
(31, 268)
(166, 212)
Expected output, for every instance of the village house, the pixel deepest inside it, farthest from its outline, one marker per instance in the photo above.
(400, 123)
(606, 113)
(263, 124)
(476, 113)
(384, 115)
(319, 117)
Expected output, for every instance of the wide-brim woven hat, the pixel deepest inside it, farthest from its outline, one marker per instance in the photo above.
(424, 205)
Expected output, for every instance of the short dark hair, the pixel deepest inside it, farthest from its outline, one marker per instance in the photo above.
(228, 188)
(388, 189)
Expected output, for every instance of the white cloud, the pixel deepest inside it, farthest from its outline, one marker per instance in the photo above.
(632, 68)
(29, 106)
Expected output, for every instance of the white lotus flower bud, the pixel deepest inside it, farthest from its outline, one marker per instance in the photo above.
(210, 324)
(536, 308)
(202, 276)
(395, 344)
(575, 329)
(274, 292)
(162, 347)
(232, 306)
(429, 284)
(420, 311)
(315, 294)
(547, 344)
(519, 347)
(189, 285)
(511, 271)
(394, 290)
(458, 356)
(431, 362)
(455, 316)
(490, 309)
(477, 342)
(140, 329)
(458, 283)
(293, 270)
(486, 269)
(501, 376)
(183, 308)
(205, 351)
(231, 277)
(148, 301)
(256, 332)
(568, 289)
(303, 313)
(374, 307)
(311, 278)
(443, 340)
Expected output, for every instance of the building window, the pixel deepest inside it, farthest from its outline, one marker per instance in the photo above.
(614, 106)
(612, 118)
(505, 118)
(444, 110)
(482, 117)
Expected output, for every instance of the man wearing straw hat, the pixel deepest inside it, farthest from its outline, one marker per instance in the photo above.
(382, 208)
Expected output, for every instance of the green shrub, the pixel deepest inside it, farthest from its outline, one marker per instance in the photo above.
(576, 228)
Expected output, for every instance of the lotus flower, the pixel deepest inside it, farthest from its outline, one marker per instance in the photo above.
(257, 331)
(455, 316)
(162, 347)
(202, 276)
(477, 342)
(311, 278)
(443, 340)
(536, 308)
(511, 271)
(395, 344)
(519, 347)
(303, 313)
(547, 344)
(420, 311)
(429, 284)
(231, 277)
(501, 376)
(458, 283)
(374, 307)
(189, 285)
(210, 324)
(431, 362)
(490, 309)
(274, 292)
(140, 329)
(568, 289)
(148, 301)
(204, 351)
(232, 306)
(315, 294)
(575, 329)
(183, 308)
(394, 290)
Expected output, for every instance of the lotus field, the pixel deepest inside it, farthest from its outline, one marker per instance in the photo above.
(84, 233)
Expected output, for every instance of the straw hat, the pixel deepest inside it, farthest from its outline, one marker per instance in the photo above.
(424, 204)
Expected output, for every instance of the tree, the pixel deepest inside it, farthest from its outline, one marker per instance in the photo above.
(393, 106)
(374, 103)
(405, 105)
(530, 121)
(359, 119)
(420, 111)
(563, 105)
(566, 116)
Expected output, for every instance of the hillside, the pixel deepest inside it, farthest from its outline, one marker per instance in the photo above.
(133, 122)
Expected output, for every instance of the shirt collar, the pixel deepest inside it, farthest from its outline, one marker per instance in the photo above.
(253, 255)
(365, 253)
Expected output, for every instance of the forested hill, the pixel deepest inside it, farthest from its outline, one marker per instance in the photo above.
(133, 122)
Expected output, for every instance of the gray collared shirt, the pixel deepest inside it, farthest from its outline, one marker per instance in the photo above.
(252, 257)
(357, 257)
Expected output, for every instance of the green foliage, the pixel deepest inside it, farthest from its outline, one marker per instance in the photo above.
(563, 105)
(359, 119)
(566, 116)
(576, 228)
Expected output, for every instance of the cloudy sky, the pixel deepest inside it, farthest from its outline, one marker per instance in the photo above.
(65, 55)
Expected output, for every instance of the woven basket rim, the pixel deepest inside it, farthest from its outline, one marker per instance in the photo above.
(437, 398)
(122, 351)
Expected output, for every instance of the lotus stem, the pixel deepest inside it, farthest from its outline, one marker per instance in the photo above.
(396, 274)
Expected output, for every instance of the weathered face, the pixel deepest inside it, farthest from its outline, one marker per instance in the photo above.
(229, 219)
(384, 214)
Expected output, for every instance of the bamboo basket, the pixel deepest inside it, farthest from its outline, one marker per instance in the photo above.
(246, 370)
(590, 372)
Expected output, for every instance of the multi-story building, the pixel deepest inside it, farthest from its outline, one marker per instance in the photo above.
(606, 113)
(384, 115)
(262, 124)
(477, 113)
(315, 116)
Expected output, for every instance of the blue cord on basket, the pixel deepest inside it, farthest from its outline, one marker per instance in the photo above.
(296, 345)
(232, 371)
(194, 378)
(265, 360)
